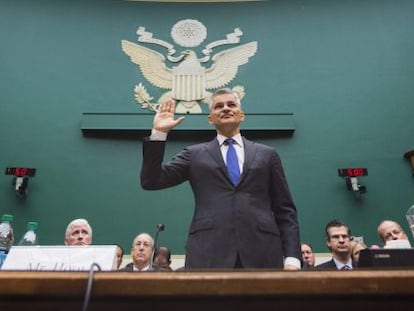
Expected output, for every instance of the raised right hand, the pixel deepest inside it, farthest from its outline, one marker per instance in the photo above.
(164, 117)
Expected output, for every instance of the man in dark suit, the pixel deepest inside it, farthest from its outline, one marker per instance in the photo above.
(338, 240)
(141, 254)
(240, 221)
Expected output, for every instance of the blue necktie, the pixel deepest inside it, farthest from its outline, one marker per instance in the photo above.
(232, 162)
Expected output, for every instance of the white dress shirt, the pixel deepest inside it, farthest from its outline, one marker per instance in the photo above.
(238, 146)
(340, 265)
(146, 268)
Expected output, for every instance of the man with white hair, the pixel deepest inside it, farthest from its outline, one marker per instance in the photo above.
(78, 232)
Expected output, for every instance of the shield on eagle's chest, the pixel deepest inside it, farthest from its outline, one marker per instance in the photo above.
(188, 83)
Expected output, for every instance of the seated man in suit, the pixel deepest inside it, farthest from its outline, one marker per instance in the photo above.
(78, 232)
(338, 240)
(141, 253)
(389, 231)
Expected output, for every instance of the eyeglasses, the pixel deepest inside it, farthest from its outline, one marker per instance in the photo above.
(338, 236)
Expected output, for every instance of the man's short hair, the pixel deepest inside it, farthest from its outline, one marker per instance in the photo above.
(146, 234)
(336, 223)
(222, 92)
(78, 222)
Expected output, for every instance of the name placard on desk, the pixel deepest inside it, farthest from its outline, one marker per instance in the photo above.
(60, 258)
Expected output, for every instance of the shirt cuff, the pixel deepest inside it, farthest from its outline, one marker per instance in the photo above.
(293, 262)
(158, 135)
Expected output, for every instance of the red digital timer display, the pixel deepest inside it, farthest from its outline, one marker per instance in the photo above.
(20, 171)
(352, 172)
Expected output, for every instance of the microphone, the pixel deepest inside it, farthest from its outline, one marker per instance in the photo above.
(160, 227)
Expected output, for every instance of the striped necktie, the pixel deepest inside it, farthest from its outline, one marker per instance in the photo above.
(232, 162)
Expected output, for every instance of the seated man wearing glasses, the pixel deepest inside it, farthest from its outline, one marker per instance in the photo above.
(338, 240)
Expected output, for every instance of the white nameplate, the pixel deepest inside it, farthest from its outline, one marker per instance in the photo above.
(60, 258)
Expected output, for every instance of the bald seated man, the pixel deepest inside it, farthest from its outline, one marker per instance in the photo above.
(389, 230)
(141, 254)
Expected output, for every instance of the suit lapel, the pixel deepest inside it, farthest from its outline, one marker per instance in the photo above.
(250, 149)
(213, 149)
(249, 154)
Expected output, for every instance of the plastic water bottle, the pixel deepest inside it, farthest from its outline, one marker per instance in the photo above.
(30, 237)
(6, 236)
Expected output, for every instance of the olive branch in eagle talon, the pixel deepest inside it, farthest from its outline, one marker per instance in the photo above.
(143, 98)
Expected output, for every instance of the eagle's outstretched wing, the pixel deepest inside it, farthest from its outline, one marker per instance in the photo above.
(226, 63)
(151, 64)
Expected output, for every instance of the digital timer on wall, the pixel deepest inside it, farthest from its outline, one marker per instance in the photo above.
(21, 178)
(352, 172)
(350, 175)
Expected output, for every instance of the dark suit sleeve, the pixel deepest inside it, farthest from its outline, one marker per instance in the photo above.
(284, 209)
(156, 175)
(128, 268)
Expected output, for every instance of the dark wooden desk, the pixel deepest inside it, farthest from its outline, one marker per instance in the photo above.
(213, 291)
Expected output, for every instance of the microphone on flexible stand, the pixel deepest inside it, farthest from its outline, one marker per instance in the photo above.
(160, 227)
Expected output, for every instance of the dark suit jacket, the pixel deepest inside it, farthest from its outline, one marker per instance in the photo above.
(330, 265)
(257, 219)
(130, 268)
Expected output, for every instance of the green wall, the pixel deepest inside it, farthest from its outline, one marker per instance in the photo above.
(344, 68)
